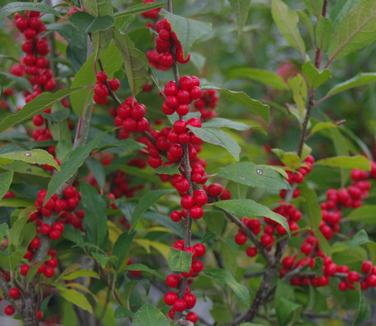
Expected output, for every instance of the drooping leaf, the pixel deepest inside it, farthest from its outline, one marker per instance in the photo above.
(225, 123)
(357, 81)
(5, 182)
(95, 221)
(218, 137)
(75, 297)
(34, 156)
(188, 31)
(241, 9)
(266, 77)
(179, 260)
(287, 20)
(14, 7)
(248, 207)
(355, 30)
(225, 277)
(70, 165)
(135, 63)
(122, 246)
(346, 162)
(37, 105)
(149, 315)
(253, 175)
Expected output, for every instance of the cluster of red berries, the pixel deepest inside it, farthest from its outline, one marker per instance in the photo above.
(182, 302)
(207, 103)
(103, 86)
(178, 96)
(130, 117)
(50, 219)
(350, 197)
(153, 13)
(167, 47)
(120, 185)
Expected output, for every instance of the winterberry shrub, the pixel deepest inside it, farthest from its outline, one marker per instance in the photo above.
(209, 163)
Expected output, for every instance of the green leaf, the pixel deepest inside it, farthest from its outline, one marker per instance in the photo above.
(312, 206)
(324, 29)
(149, 315)
(253, 175)
(135, 63)
(322, 126)
(16, 203)
(314, 77)
(145, 202)
(98, 7)
(256, 107)
(5, 182)
(37, 105)
(287, 20)
(241, 9)
(359, 239)
(70, 165)
(188, 31)
(266, 77)
(218, 137)
(34, 156)
(299, 90)
(142, 268)
(225, 123)
(355, 30)
(224, 277)
(290, 159)
(357, 81)
(248, 207)
(363, 311)
(364, 214)
(89, 24)
(139, 8)
(95, 220)
(13, 7)
(20, 81)
(18, 225)
(79, 273)
(286, 310)
(122, 246)
(75, 297)
(179, 260)
(346, 162)
(170, 169)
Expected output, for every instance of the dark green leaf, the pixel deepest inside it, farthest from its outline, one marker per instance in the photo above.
(358, 239)
(5, 182)
(253, 175)
(248, 207)
(241, 9)
(37, 105)
(91, 24)
(34, 156)
(122, 246)
(225, 123)
(361, 79)
(13, 7)
(365, 214)
(139, 8)
(314, 77)
(20, 81)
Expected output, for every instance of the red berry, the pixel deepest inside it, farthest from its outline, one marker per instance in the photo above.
(170, 298)
(251, 251)
(14, 293)
(24, 269)
(180, 305)
(367, 266)
(9, 310)
(172, 280)
(192, 317)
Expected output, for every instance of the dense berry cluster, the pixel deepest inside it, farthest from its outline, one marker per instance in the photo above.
(130, 117)
(181, 301)
(103, 86)
(207, 103)
(167, 47)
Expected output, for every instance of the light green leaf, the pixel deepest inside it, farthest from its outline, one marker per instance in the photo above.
(179, 260)
(355, 30)
(224, 277)
(324, 29)
(5, 182)
(266, 77)
(314, 77)
(299, 90)
(218, 137)
(248, 207)
(241, 9)
(346, 162)
(149, 315)
(34, 156)
(139, 8)
(322, 126)
(37, 105)
(290, 159)
(365, 214)
(287, 20)
(75, 297)
(357, 81)
(253, 175)
(79, 273)
(188, 31)
(225, 123)
(358, 239)
(90, 24)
